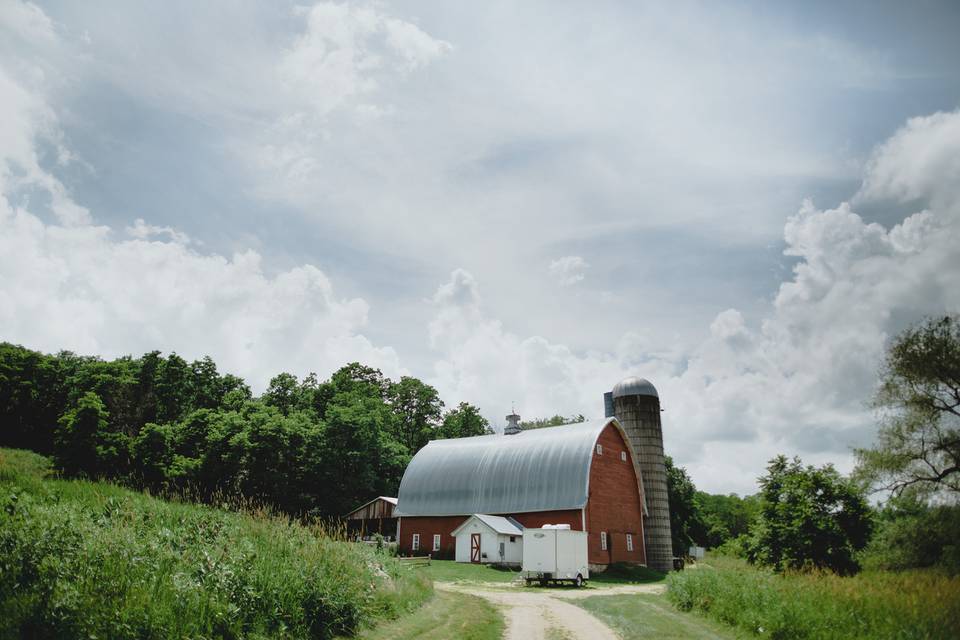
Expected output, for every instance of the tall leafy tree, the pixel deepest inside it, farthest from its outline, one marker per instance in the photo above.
(283, 392)
(726, 516)
(809, 517)
(418, 409)
(686, 520)
(362, 458)
(174, 389)
(463, 422)
(84, 443)
(919, 406)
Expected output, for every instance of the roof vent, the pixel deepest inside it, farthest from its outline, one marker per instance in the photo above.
(513, 425)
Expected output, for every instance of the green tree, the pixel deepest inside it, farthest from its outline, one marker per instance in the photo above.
(174, 389)
(418, 408)
(361, 457)
(918, 403)
(809, 517)
(283, 392)
(913, 534)
(726, 517)
(151, 454)
(463, 422)
(84, 444)
(686, 521)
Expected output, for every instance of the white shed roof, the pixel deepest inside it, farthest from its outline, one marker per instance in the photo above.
(535, 470)
(506, 526)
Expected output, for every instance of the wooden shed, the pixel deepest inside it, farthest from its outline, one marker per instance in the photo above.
(372, 518)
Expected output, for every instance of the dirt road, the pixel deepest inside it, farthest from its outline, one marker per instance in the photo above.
(535, 614)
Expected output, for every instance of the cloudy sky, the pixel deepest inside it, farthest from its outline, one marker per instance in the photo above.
(518, 205)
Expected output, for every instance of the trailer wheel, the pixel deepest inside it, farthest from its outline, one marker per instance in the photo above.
(578, 582)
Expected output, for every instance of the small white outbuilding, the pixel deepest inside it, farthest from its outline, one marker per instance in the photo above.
(494, 539)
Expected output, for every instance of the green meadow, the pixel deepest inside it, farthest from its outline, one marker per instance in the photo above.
(907, 605)
(82, 559)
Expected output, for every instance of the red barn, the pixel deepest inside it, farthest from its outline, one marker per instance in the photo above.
(584, 475)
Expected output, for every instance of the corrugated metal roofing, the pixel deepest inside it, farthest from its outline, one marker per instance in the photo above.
(536, 470)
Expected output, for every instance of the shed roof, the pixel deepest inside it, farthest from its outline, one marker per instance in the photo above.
(506, 526)
(536, 470)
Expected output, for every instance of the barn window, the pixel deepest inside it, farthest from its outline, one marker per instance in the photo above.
(513, 538)
(603, 540)
(629, 542)
(623, 456)
(416, 542)
(599, 449)
(436, 542)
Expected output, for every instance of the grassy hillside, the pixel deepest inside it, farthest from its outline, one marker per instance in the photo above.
(92, 560)
(874, 604)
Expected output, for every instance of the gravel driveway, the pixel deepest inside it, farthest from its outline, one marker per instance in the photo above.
(534, 614)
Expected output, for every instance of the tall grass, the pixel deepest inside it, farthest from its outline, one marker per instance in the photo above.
(908, 605)
(92, 560)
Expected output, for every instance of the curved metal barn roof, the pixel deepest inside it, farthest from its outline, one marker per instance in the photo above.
(536, 470)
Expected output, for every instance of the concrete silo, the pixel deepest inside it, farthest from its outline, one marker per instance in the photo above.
(636, 405)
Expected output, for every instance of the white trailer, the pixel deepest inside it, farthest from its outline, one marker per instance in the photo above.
(555, 554)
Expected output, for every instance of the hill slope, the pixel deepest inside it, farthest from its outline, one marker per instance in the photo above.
(93, 560)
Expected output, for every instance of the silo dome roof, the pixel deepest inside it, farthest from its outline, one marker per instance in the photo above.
(634, 386)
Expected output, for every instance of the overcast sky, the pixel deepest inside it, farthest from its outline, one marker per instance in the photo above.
(519, 205)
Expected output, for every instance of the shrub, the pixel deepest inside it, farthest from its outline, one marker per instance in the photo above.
(913, 535)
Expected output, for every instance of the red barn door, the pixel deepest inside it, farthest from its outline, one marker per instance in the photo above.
(474, 547)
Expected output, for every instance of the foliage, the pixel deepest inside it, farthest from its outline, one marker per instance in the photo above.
(308, 448)
(82, 559)
(463, 422)
(912, 534)
(725, 517)
(919, 406)
(418, 409)
(84, 446)
(909, 605)
(686, 520)
(553, 421)
(809, 518)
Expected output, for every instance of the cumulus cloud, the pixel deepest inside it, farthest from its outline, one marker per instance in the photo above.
(919, 161)
(77, 287)
(343, 46)
(69, 283)
(797, 381)
(568, 270)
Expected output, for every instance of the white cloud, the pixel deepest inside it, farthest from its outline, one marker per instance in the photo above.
(920, 161)
(70, 284)
(26, 20)
(568, 270)
(143, 231)
(800, 381)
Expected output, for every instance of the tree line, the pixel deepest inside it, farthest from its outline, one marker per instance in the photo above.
(814, 517)
(305, 447)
